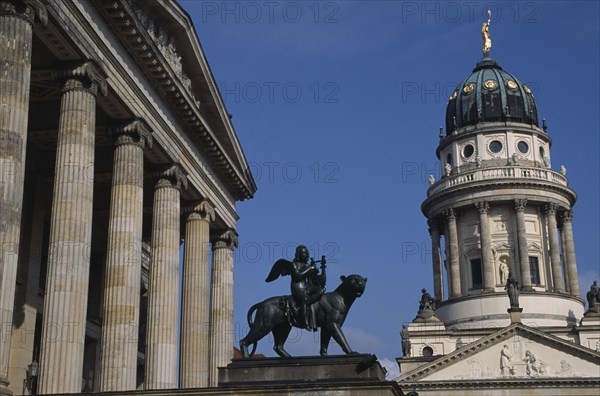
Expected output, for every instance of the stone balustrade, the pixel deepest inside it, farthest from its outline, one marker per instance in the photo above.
(503, 172)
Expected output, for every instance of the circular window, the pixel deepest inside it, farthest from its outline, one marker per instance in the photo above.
(449, 159)
(428, 351)
(495, 146)
(468, 150)
(523, 147)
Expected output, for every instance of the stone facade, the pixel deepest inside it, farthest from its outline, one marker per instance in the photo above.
(112, 156)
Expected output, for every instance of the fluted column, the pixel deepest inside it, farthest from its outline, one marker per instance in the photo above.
(453, 253)
(487, 257)
(221, 303)
(16, 20)
(569, 250)
(564, 258)
(193, 369)
(436, 258)
(557, 276)
(163, 288)
(121, 307)
(523, 250)
(65, 303)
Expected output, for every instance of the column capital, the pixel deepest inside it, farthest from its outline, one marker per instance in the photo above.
(173, 177)
(202, 211)
(520, 204)
(450, 214)
(84, 76)
(567, 216)
(551, 208)
(227, 239)
(483, 207)
(135, 132)
(28, 10)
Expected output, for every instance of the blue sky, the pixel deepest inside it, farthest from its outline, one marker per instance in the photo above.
(338, 106)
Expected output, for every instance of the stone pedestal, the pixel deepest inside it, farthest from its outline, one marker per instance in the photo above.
(359, 374)
(515, 314)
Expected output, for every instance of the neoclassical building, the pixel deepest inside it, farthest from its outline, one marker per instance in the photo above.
(501, 207)
(115, 148)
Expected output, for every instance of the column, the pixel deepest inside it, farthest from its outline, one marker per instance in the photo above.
(569, 250)
(121, 305)
(193, 370)
(65, 303)
(487, 257)
(16, 20)
(221, 303)
(522, 240)
(557, 276)
(163, 289)
(455, 290)
(564, 258)
(438, 287)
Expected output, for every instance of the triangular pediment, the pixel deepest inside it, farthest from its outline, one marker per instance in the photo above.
(515, 352)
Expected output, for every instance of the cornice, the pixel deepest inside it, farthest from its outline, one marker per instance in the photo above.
(122, 19)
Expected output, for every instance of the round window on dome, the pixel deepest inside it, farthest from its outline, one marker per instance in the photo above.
(523, 147)
(468, 151)
(495, 146)
(428, 351)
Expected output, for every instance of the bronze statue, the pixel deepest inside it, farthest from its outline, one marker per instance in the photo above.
(276, 315)
(307, 284)
(512, 287)
(426, 307)
(593, 298)
(405, 335)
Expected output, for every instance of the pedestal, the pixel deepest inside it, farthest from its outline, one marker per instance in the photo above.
(359, 374)
(515, 314)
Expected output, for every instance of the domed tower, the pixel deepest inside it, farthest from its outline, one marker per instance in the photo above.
(500, 208)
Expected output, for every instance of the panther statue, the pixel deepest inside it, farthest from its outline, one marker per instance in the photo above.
(277, 315)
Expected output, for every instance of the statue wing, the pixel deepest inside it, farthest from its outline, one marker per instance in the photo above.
(280, 268)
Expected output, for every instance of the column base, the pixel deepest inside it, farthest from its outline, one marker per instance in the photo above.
(527, 289)
(489, 290)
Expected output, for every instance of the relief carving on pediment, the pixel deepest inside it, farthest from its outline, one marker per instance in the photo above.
(166, 46)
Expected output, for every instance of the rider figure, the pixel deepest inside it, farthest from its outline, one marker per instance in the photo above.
(307, 285)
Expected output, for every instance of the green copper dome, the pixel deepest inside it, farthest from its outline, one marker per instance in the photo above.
(490, 94)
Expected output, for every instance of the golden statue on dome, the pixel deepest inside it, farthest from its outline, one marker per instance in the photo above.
(485, 34)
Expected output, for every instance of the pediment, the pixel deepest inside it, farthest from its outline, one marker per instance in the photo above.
(516, 352)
